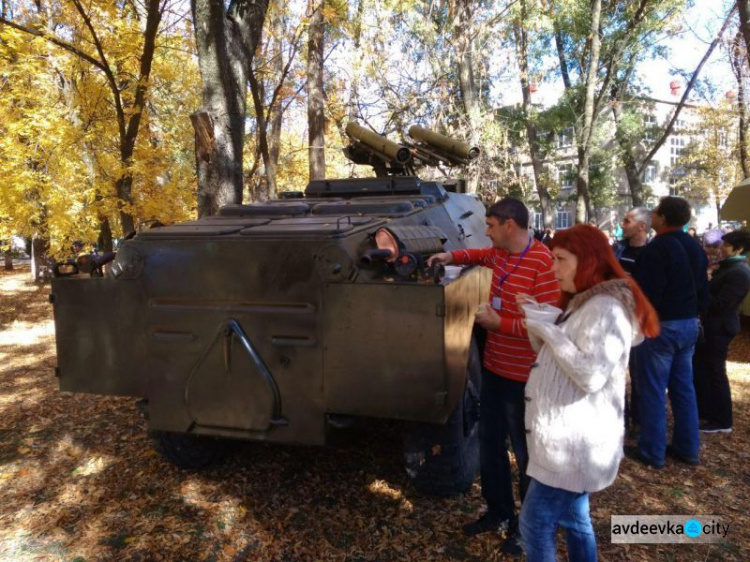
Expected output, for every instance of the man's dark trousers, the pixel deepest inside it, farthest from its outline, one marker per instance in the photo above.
(502, 409)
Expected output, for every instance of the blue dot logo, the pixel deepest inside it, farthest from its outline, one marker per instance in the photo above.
(693, 528)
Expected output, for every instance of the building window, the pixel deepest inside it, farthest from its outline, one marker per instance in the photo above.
(565, 138)
(563, 219)
(649, 174)
(676, 147)
(566, 176)
(674, 186)
(649, 125)
(537, 221)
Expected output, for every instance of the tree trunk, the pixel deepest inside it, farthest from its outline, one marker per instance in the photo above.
(744, 9)
(226, 41)
(8, 260)
(634, 180)
(315, 93)
(584, 139)
(104, 241)
(545, 201)
(468, 84)
(353, 109)
(628, 160)
(738, 65)
(40, 262)
(267, 182)
(561, 56)
(276, 113)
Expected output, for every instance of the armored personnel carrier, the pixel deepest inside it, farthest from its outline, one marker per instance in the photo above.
(278, 321)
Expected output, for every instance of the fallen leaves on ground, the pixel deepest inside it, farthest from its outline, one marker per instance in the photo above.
(79, 481)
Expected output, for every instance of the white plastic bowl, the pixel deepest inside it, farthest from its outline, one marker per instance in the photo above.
(541, 312)
(452, 272)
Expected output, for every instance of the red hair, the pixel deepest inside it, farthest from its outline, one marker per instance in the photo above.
(597, 263)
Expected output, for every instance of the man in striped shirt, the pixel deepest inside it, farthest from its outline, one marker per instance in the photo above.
(520, 265)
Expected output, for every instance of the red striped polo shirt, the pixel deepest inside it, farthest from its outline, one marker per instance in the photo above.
(507, 351)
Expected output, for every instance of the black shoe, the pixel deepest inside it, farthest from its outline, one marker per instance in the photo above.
(632, 452)
(680, 457)
(713, 427)
(512, 544)
(486, 523)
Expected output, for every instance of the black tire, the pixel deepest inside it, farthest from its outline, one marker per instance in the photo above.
(443, 460)
(189, 451)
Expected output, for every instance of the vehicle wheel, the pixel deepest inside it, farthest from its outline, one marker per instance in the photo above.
(443, 460)
(189, 451)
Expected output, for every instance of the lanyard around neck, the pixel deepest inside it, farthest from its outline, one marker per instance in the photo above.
(520, 259)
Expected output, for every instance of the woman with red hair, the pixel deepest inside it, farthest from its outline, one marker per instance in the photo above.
(576, 392)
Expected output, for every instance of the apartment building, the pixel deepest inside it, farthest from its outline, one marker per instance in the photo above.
(662, 176)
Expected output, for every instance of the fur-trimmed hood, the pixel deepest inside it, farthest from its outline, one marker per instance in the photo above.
(615, 288)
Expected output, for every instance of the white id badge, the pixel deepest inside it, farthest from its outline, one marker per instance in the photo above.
(497, 303)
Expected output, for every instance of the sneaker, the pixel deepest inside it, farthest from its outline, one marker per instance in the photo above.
(712, 427)
(680, 457)
(633, 452)
(486, 523)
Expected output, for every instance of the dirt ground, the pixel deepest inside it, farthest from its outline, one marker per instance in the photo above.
(79, 481)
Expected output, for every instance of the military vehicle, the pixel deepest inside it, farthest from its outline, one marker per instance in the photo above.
(283, 320)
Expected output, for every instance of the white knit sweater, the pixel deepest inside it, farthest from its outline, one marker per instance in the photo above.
(576, 393)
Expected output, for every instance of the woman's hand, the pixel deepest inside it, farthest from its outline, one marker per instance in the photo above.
(488, 319)
(522, 299)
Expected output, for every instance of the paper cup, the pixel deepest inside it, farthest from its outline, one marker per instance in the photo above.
(541, 312)
(452, 272)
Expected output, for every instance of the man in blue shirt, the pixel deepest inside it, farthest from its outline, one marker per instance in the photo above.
(671, 270)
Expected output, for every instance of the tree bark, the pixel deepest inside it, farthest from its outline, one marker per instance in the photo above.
(40, 262)
(583, 202)
(738, 65)
(8, 260)
(545, 201)
(353, 103)
(276, 113)
(315, 93)
(226, 41)
(744, 9)
(469, 88)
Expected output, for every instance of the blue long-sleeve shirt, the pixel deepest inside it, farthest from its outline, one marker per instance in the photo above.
(664, 270)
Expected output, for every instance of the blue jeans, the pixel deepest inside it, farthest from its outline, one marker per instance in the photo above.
(543, 510)
(665, 364)
(501, 410)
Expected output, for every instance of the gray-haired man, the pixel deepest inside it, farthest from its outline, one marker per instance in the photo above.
(635, 228)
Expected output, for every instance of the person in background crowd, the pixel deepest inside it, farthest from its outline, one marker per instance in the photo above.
(694, 233)
(712, 247)
(576, 390)
(549, 234)
(671, 270)
(519, 264)
(728, 287)
(635, 228)
(618, 231)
